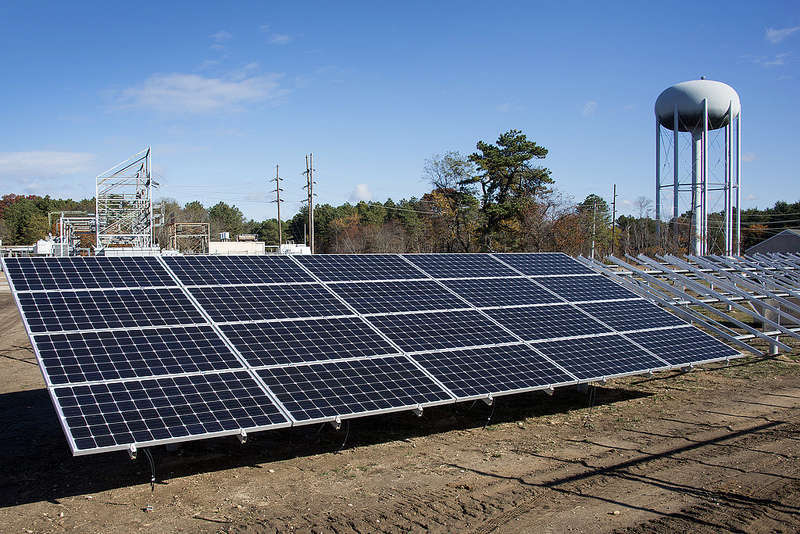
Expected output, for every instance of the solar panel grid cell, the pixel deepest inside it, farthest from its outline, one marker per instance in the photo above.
(459, 265)
(585, 288)
(216, 270)
(546, 322)
(680, 346)
(597, 357)
(54, 311)
(351, 387)
(123, 413)
(31, 274)
(109, 355)
(440, 330)
(255, 303)
(544, 263)
(387, 297)
(491, 370)
(345, 267)
(631, 315)
(308, 340)
(484, 292)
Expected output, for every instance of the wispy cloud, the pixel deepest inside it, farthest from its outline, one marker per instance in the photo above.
(776, 35)
(219, 39)
(221, 36)
(361, 192)
(193, 93)
(767, 61)
(749, 156)
(589, 108)
(43, 163)
(280, 38)
(505, 107)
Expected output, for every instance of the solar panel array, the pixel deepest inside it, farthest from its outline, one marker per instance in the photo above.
(150, 350)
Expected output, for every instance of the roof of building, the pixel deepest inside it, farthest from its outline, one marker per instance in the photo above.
(786, 241)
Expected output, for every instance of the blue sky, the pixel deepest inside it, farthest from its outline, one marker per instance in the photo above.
(224, 91)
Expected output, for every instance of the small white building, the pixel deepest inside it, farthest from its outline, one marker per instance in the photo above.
(236, 248)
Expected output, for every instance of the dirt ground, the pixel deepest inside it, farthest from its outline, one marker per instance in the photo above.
(712, 450)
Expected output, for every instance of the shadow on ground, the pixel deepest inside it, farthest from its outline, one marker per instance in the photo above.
(37, 465)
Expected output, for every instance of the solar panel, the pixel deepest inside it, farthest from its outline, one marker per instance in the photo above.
(544, 322)
(338, 267)
(579, 288)
(353, 387)
(129, 359)
(599, 356)
(219, 270)
(308, 340)
(459, 265)
(385, 297)
(631, 315)
(482, 292)
(544, 263)
(54, 311)
(491, 370)
(33, 274)
(255, 303)
(440, 330)
(115, 415)
(109, 355)
(680, 346)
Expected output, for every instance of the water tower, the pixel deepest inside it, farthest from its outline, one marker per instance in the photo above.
(696, 108)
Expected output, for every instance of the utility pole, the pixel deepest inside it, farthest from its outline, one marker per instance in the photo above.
(613, 217)
(594, 224)
(310, 187)
(278, 201)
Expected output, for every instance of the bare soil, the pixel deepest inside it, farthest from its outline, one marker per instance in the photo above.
(708, 451)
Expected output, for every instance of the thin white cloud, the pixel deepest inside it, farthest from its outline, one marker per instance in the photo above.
(749, 156)
(221, 36)
(776, 35)
(361, 192)
(193, 93)
(43, 164)
(767, 61)
(505, 107)
(280, 39)
(589, 108)
(751, 197)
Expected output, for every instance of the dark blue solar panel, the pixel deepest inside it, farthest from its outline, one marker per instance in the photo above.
(352, 387)
(544, 263)
(278, 343)
(86, 272)
(384, 297)
(115, 308)
(598, 357)
(483, 292)
(578, 288)
(355, 267)
(459, 265)
(491, 370)
(109, 355)
(211, 270)
(631, 315)
(680, 346)
(544, 322)
(254, 303)
(440, 330)
(122, 413)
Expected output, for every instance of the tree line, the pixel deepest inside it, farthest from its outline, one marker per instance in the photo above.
(499, 198)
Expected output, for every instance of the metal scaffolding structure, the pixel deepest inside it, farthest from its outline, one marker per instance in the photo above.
(720, 293)
(76, 232)
(124, 204)
(189, 237)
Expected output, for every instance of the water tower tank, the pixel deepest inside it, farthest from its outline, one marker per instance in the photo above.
(699, 107)
(723, 104)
